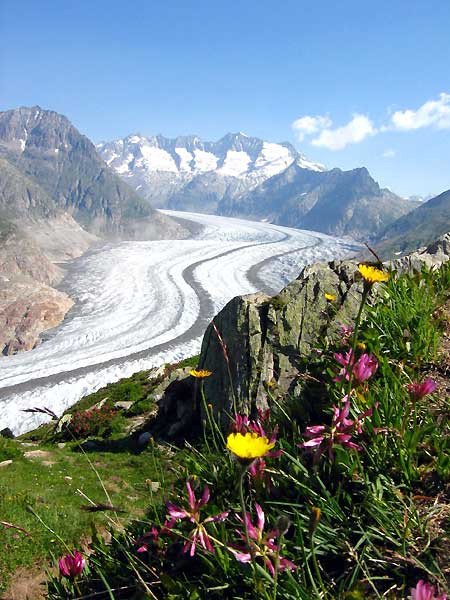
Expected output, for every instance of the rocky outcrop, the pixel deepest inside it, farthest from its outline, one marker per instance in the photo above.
(29, 305)
(258, 344)
(266, 339)
(26, 310)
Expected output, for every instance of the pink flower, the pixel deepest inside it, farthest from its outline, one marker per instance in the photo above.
(365, 367)
(346, 333)
(199, 534)
(243, 424)
(425, 591)
(418, 390)
(341, 430)
(147, 539)
(240, 424)
(361, 371)
(71, 565)
(262, 544)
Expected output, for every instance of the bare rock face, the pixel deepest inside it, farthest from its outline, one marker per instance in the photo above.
(26, 310)
(264, 339)
(28, 303)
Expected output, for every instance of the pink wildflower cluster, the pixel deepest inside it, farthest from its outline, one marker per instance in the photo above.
(71, 565)
(425, 591)
(418, 390)
(322, 438)
(149, 539)
(261, 544)
(198, 535)
(360, 371)
(92, 421)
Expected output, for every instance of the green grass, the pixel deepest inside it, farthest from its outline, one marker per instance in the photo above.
(51, 492)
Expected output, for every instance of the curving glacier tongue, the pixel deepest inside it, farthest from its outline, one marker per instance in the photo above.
(140, 304)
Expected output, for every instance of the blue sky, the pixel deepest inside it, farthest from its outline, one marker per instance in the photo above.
(211, 66)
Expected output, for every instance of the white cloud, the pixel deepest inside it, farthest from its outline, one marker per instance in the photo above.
(433, 113)
(354, 132)
(309, 125)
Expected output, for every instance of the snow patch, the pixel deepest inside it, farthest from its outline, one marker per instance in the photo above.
(157, 159)
(236, 163)
(205, 161)
(185, 159)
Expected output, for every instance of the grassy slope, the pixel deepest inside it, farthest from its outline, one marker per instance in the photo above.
(384, 511)
(49, 492)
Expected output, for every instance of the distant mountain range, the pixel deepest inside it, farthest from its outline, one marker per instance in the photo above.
(244, 176)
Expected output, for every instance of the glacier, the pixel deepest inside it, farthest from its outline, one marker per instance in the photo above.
(141, 304)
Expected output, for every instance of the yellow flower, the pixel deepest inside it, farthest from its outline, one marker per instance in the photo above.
(372, 274)
(248, 446)
(330, 297)
(200, 373)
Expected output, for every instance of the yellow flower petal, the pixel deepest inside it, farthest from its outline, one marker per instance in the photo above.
(330, 297)
(248, 446)
(372, 274)
(200, 373)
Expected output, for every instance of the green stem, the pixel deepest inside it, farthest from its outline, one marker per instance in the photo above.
(244, 515)
(277, 567)
(215, 428)
(355, 337)
(208, 417)
(316, 567)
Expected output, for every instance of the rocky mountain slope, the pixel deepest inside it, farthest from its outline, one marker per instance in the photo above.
(335, 202)
(44, 150)
(242, 176)
(57, 197)
(417, 228)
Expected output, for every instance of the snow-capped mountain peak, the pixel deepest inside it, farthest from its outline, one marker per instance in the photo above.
(159, 167)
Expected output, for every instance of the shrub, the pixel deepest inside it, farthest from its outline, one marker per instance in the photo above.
(93, 422)
(8, 449)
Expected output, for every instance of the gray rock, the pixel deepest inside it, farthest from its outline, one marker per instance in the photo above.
(144, 438)
(178, 406)
(7, 433)
(123, 405)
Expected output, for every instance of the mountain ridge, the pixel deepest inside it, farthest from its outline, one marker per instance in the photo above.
(417, 228)
(244, 176)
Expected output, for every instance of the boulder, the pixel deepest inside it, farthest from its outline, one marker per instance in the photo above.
(177, 413)
(263, 340)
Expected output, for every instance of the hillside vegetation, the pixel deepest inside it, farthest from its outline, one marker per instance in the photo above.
(339, 491)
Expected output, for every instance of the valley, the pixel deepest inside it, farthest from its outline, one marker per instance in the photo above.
(144, 303)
